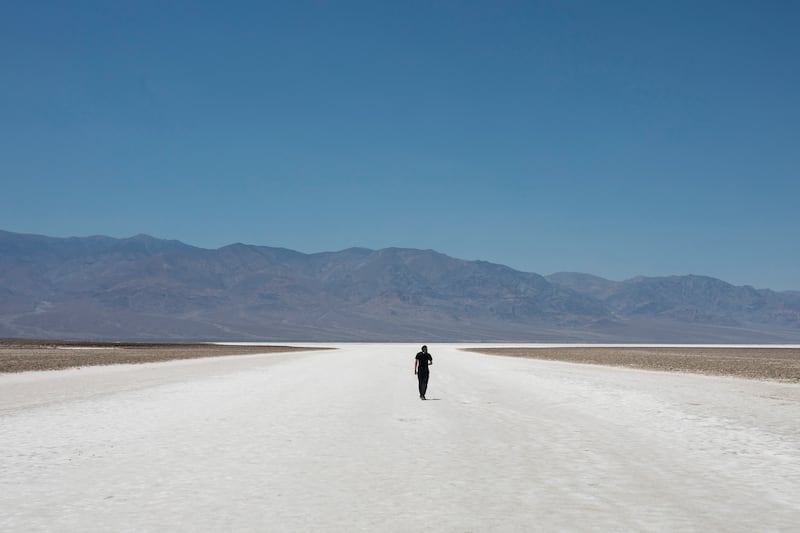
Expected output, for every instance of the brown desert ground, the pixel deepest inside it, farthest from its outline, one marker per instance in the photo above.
(19, 355)
(773, 363)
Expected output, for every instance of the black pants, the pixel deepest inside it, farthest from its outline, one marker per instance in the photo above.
(423, 382)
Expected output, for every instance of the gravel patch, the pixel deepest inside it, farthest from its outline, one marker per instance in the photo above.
(21, 355)
(778, 364)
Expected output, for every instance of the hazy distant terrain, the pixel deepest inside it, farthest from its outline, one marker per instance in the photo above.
(151, 289)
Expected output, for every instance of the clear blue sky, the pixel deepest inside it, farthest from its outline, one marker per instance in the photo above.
(614, 138)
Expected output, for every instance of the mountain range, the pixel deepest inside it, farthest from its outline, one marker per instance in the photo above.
(144, 288)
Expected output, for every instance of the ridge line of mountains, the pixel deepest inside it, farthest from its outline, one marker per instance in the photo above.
(144, 288)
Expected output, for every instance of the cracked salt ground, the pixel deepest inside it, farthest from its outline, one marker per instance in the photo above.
(339, 441)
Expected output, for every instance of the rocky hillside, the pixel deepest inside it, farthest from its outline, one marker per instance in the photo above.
(148, 288)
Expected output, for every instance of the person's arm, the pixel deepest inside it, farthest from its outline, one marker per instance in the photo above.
(416, 364)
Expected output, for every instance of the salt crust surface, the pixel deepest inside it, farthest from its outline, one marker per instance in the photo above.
(339, 441)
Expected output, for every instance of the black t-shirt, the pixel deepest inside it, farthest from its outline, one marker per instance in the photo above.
(423, 359)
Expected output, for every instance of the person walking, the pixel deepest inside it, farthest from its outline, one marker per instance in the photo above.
(421, 363)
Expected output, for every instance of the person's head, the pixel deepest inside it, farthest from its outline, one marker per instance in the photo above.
(424, 349)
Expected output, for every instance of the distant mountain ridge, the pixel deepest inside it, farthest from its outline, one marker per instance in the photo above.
(144, 288)
(695, 299)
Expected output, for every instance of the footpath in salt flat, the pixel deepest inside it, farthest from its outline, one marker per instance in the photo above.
(339, 441)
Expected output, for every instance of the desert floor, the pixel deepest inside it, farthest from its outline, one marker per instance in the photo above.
(338, 440)
(755, 362)
(18, 355)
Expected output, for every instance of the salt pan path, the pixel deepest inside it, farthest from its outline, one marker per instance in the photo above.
(339, 441)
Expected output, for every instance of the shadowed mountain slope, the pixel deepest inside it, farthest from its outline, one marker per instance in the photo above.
(148, 288)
